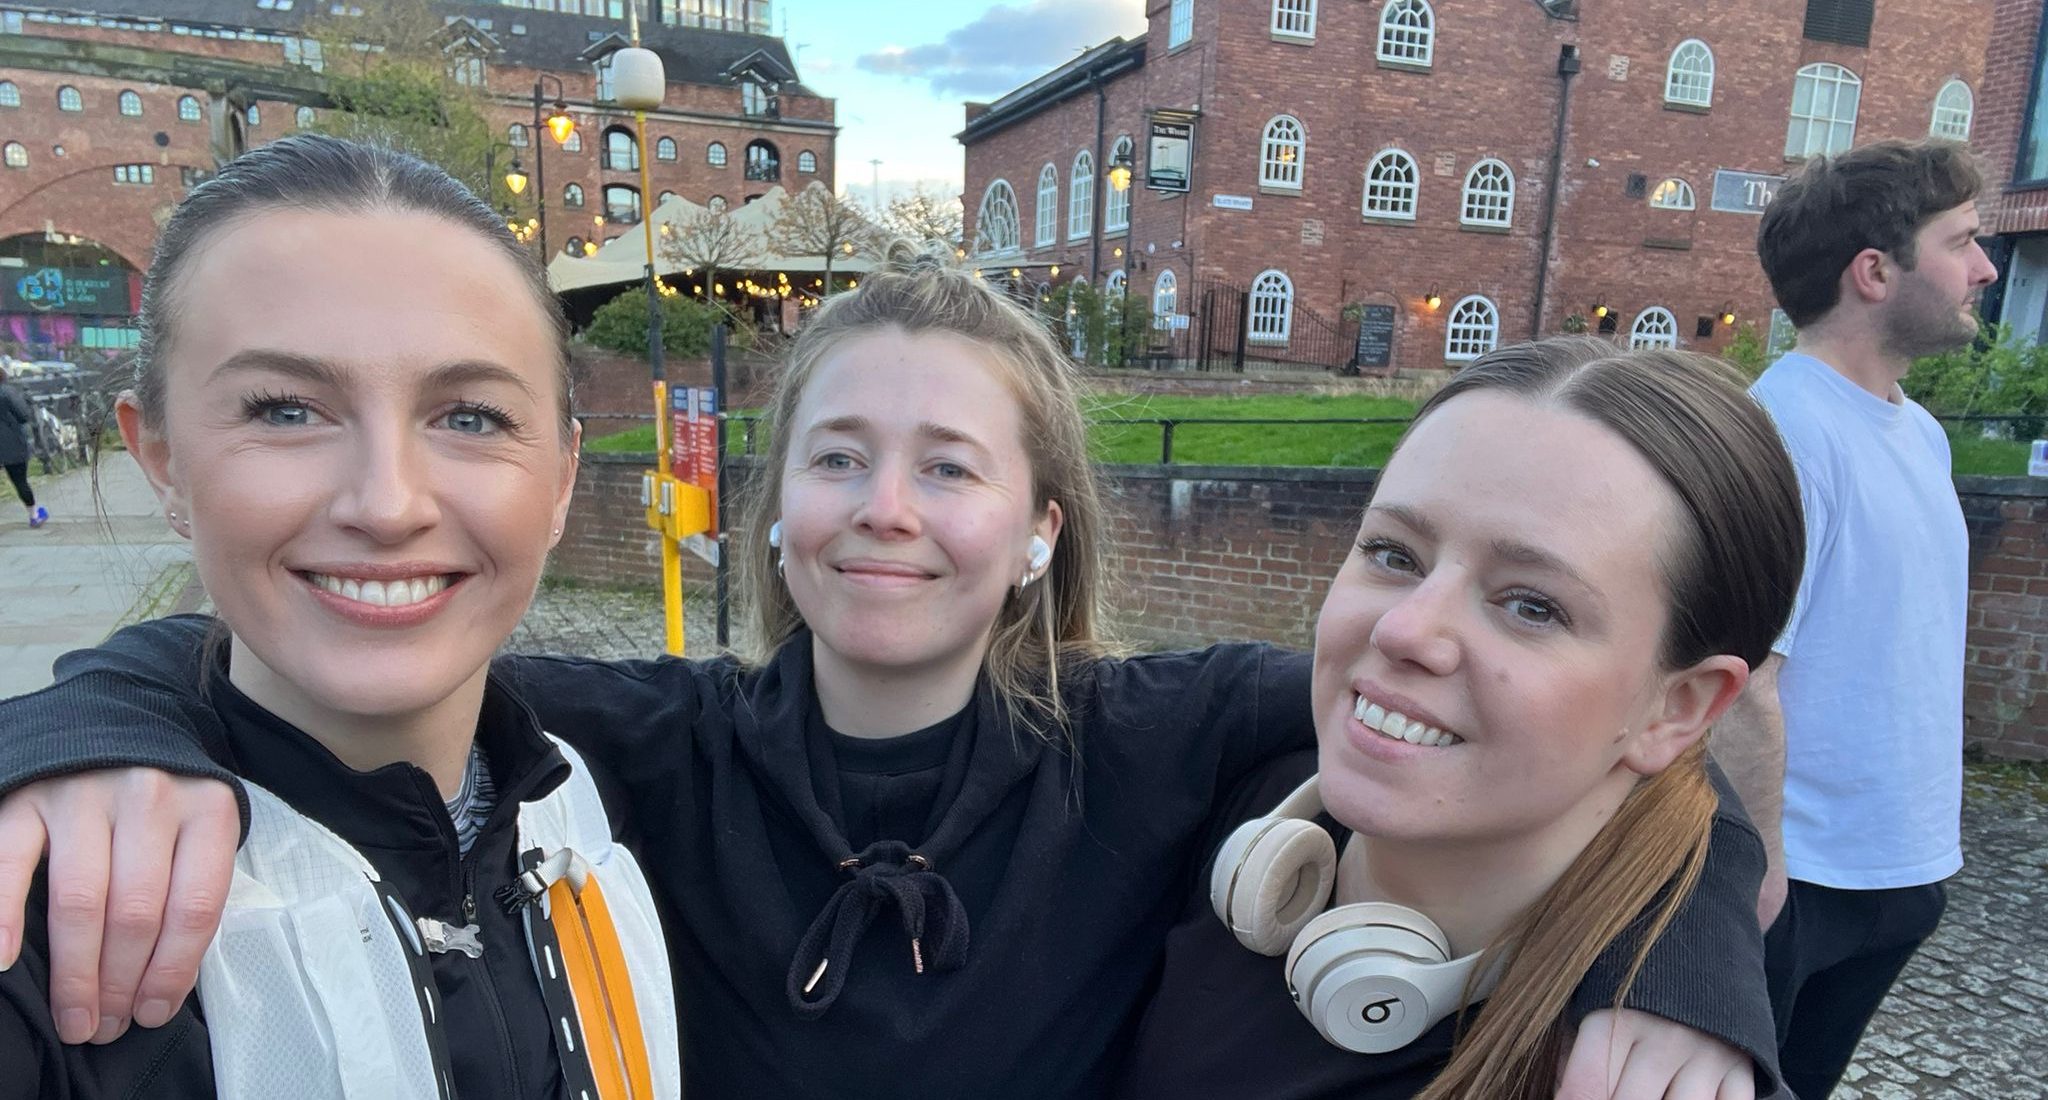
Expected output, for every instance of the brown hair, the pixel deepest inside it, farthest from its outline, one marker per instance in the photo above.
(1043, 629)
(1877, 196)
(1730, 573)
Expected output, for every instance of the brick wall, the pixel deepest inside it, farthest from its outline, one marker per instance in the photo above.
(1212, 553)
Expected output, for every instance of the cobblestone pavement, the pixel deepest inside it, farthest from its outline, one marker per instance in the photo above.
(1968, 1019)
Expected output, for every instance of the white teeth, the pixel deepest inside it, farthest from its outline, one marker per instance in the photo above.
(1399, 727)
(350, 590)
(396, 593)
(373, 593)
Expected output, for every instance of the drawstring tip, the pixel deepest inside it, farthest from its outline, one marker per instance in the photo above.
(815, 975)
(916, 955)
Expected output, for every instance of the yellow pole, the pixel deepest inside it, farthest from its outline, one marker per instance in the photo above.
(671, 551)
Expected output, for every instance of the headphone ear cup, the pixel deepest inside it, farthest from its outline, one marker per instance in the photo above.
(1374, 977)
(1270, 879)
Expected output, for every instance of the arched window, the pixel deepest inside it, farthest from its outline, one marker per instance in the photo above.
(1489, 196)
(1116, 210)
(807, 162)
(572, 195)
(716, 204)
(10, 94)
(305, 117)
(1474, 329)
(1953, 107)
(1081, 196)
(1655, 327)
(188, 108)
(1391, 184)
(1672, 194)
(1824, 102)
(1294, 18)
(573, 246)
(575, 142)
(15, 154)
(763, 162)
(1689, 78)
(1046, 230)
(714, 154)
(255, 116)
(995, 223)
(1407, 33)
(665, 149)
(1272, 308)
(665, 196)
(1115, 284)
(1180, 22)
(515, 135)
(68, 99)
(621, 204)
(1280, 153)
(131, 105)
(621, 152)
(1165, 299)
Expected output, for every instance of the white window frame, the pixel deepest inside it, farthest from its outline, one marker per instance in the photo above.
(998, 207)
(1472, 330)
(1491, 207)
(665, 150)
(1388, 195)
(10, 94)
(606, 90)
(1294, 19)
(1116, 208)
(807, 162)
(14, 154)
(515, 135)
(1081, 197)
(69, 99)
(1046, 230)
(1165, 298)
(1271, 308)
(1276, 169)
(1689, 76)
(127, 99)
(1955, 110)
(304, 117)
(1673, 194)
(198, 112)
(714, 154)
(1835, 130)
(1180, 23)
(254, 115)
(1654, 327)
(1407, 34)
(575, 203)
(1115, 285)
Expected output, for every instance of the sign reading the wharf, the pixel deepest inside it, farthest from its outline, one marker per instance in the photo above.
(1231, 202)
(1170, 152)
(1744, 192)
(1375, 337)
(102, 290)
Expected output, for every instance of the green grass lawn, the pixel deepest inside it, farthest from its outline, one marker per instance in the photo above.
(1971, 453)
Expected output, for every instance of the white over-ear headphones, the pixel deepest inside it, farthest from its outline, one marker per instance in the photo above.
(1372, 977)
(1041, 556)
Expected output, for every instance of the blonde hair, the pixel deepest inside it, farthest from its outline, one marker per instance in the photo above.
(1041, 631)
(1729, 573)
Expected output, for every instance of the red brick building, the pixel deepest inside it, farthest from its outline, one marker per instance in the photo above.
(2013, 134)
(110, 110)
(1453, 174)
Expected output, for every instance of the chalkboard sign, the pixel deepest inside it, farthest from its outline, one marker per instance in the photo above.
(1375, 337)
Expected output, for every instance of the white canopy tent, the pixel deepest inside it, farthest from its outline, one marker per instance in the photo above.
(624, 260)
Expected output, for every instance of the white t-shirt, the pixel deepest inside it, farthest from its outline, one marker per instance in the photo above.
(1872, 683)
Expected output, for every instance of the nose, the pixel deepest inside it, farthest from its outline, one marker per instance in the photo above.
(1420, 630)
(889, 508)
(1983, 271)
(386, 492)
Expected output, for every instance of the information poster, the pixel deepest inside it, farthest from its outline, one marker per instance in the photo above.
(693, 456)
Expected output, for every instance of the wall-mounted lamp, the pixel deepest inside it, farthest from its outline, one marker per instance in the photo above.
(1601, 311)
(1433, 299)
(1055, 271)
(1728, 316)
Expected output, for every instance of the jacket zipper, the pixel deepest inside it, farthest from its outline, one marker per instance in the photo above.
(484, 978)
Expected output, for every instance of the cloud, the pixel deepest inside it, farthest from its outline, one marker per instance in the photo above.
(1008, 45)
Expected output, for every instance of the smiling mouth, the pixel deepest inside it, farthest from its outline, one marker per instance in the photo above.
(402, 592)
(1395, 726)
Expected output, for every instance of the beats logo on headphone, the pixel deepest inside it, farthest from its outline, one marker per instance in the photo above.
(1371, 977)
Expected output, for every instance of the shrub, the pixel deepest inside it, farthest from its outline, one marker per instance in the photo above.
(621, 325)
(2001, 374)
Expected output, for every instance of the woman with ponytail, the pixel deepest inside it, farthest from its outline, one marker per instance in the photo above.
(1564, 575)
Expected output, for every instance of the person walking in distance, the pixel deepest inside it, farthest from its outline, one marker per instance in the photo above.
(1856, 722)
(17, 419)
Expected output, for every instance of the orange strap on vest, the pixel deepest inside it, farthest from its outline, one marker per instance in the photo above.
(603, 989)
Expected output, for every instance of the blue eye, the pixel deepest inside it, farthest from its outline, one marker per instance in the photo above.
(278, 410)
(950, 470)
(835, 460)
(474, 423)
(1388, 555)
(1535, 609)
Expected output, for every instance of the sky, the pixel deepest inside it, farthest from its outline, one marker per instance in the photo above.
(901, 70)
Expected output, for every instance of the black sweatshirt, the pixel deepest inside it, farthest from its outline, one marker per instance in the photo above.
(500, 1039)
(968, 910)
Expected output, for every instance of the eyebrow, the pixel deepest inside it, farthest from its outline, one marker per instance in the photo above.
(929, 429)
(1510, 550)
(321, 372)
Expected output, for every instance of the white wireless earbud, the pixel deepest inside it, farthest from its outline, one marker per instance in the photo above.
(1041, 556)
(775, 544)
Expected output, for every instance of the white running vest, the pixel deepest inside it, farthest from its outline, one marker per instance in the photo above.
(317, 986)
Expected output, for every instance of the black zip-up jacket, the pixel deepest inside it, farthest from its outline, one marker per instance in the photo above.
(499, 1040)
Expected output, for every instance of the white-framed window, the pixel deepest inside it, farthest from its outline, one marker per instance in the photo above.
(68, 99)
(572, 195)
(1294, 18)
(1081, 196)
(995, 223)
(1272, 305)
(188, 108)
(1824, 101)
(468, 71)
(606, 88)
(1116, 209)
(716, 204)
(255, 116)
(515, 135)
(807, 161)
(131, 104)
(622, 204)
(304, 117)
(665, 196)
(1165, 298)
(1655, 327)
(621, 152)
(1180, 23)
(665, 149)
(15, 154)
(754, 98)
(134, 173)
(1281, 152)
(1115, 284)
(714, 154)
(1473, 329)
(1672, 194)
(1046, 230)
(1391, 184)
(10, 94)
(1954, 107)
(1407, 33)
(1689, 78)
(764, 161)
(1489, 195)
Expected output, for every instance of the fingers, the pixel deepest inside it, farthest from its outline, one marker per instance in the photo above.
(139, 877)
(1594, 1064)
(200, 871)
(1740, 1084)
(80, 858)
(1708, 1076)
(21, 851)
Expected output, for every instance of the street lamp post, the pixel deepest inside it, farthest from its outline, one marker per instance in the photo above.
(558, 126)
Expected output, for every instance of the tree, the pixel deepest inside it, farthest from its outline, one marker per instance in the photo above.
(621, 325)
(711, 240)
(924, 216)
(816, 222)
